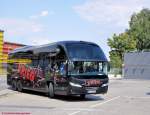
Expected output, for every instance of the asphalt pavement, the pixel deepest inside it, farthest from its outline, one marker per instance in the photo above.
(125, 97)
(3, 84)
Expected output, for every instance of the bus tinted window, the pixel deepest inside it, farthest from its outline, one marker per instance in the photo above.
(87, 68)
(84, 51)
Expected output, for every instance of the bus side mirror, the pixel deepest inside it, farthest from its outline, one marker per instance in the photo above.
(54, 52)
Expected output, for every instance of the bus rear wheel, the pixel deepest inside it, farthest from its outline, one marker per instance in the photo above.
(19, 86)
(14, 85)
(51, 90)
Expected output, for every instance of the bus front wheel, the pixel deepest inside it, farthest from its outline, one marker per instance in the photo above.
(51, 90)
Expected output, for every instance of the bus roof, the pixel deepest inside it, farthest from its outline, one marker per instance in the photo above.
(50, 47)
(46, 46)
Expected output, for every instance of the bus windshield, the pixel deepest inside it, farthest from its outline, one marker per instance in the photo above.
(87, 68)
(85, 51)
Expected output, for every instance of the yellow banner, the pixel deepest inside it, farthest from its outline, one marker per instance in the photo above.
(24, 61)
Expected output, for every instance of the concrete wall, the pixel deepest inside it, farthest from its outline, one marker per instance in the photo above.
(137, 65)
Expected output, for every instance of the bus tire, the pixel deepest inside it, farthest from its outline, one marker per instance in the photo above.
(14, 85)
(19, 86)
(82, 96)
(51, 90)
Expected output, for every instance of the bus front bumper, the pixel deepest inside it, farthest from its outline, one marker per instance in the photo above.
(75, 90)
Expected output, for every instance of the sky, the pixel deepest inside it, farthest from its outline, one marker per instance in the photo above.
(36, 22)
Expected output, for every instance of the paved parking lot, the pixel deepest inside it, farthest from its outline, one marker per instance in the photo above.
(125, 97)
(3, 84)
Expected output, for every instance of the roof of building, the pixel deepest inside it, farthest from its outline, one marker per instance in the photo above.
(12, 43)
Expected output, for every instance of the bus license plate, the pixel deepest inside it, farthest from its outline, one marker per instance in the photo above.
(91, 91)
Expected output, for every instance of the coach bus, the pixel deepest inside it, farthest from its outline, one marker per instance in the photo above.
(60, 68)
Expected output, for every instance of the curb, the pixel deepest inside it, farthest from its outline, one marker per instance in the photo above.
(118, 77)
(5, 92)
(115, 78)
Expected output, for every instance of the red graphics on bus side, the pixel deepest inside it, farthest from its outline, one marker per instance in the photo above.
(28, 72)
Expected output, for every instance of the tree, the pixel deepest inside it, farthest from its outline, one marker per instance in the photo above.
(137, 37)
(119, 45)
(140, 29)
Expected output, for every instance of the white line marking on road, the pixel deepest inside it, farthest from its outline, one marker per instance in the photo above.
(95, 105)
(74, 113)
(137, 97)
(77, 109)
(98, 104)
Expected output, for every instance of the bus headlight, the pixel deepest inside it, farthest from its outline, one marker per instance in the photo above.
(74, 84)
(104, 85)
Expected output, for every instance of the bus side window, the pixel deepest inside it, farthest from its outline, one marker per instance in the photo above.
(46, 63)
(35, 63)
(41, 63)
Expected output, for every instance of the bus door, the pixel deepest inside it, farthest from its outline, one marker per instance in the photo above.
(60, 77)
(40, 81)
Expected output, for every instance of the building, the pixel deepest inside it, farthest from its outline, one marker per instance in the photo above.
(137, 65)
(1, 50)
(1, 45)
(9, 46)
(5, 48)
